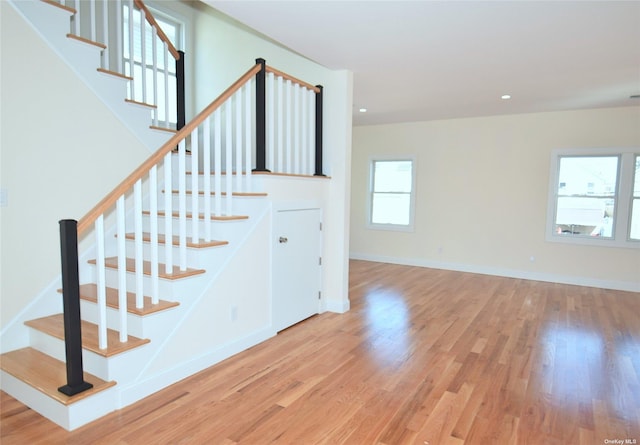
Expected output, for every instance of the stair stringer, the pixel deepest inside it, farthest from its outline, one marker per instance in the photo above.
(52, 25)
(230, 314)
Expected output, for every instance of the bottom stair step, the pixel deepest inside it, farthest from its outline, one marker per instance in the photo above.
(46, 374)
(89, 292)
(54, 325)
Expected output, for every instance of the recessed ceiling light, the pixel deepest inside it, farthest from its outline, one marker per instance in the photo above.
(505, 96)
(362, 110)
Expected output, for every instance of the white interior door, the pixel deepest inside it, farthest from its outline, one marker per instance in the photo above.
(296, 266)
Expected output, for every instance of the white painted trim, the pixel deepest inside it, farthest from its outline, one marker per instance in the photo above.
(412, 203)
(623, 197)
(629, 286)
(337, 306)
(143, 388)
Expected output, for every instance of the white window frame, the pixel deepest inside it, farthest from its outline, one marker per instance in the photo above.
(412, 198)
(623, 197)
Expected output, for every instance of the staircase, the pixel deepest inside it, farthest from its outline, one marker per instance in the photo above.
(158, 287)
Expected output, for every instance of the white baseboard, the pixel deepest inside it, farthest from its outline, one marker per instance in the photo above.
(143, 388)
(629, 286)
(337, 306)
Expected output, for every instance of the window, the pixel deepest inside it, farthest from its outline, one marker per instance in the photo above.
(595, 197)
(392, 193)
(173, 30)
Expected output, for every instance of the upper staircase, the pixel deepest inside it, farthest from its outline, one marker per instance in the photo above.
(158, 288)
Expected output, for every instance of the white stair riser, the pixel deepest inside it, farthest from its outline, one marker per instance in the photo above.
(246, 185)
(152, 326)
(106, 368)
(196, 257)
(68, 417)
(240, 204)
(220, 230)
(171, 290)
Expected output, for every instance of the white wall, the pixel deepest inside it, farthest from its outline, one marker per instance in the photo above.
(223, 51)
(51, 175)
(62, 150)
(482, 195)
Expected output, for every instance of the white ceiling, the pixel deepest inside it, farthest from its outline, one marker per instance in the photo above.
(425, 60)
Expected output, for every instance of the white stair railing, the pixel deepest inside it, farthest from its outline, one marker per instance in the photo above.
(224, 148)
(136, 47)
(290, 124)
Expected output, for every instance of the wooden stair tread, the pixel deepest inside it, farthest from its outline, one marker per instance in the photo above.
(84, 40)
(114, 73)
(47, 374)
(201, 216)
(112, 263)
(168, 130)
(142, 104)
(54, 326)
(89, 292)
(201, 244)
(69, 9)
(201, 192)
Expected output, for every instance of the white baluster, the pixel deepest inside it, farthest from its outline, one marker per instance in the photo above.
(239, 142)
(168, 216)
(206, 175)
(153, 233)
(247, 137)
(101, 284)
(182, 204)
(92, 17)
(288, 122)
(119, 43)
(280, 119)
(105, 34)
(166, 82)
(131, 52)
(139, 259)
(312, 131)
(154, 68)
(271, 133)
(228, 158)
(296, 128)
(122, 269)
(217, 162)
(76, 20)
(143, 54)
(195, 192)
(303, 129)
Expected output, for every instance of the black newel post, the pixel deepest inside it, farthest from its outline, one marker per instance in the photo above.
(182, 119)
(261, 118)
(71, 302)
(319, 132)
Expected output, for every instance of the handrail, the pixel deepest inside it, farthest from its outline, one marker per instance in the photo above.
(152, 21)
(292, 79)
(108, 201)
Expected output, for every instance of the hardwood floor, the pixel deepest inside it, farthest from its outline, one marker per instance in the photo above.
(424, 357)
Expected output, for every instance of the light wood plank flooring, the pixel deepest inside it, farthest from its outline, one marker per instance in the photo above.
(424, 357)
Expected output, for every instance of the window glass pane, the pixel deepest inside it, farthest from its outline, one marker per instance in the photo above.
(586, 196)
(592, 175)
(392, 176)
(634, 230)
(391, 208)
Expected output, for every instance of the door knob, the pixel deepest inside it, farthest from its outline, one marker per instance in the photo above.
(282, 240)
